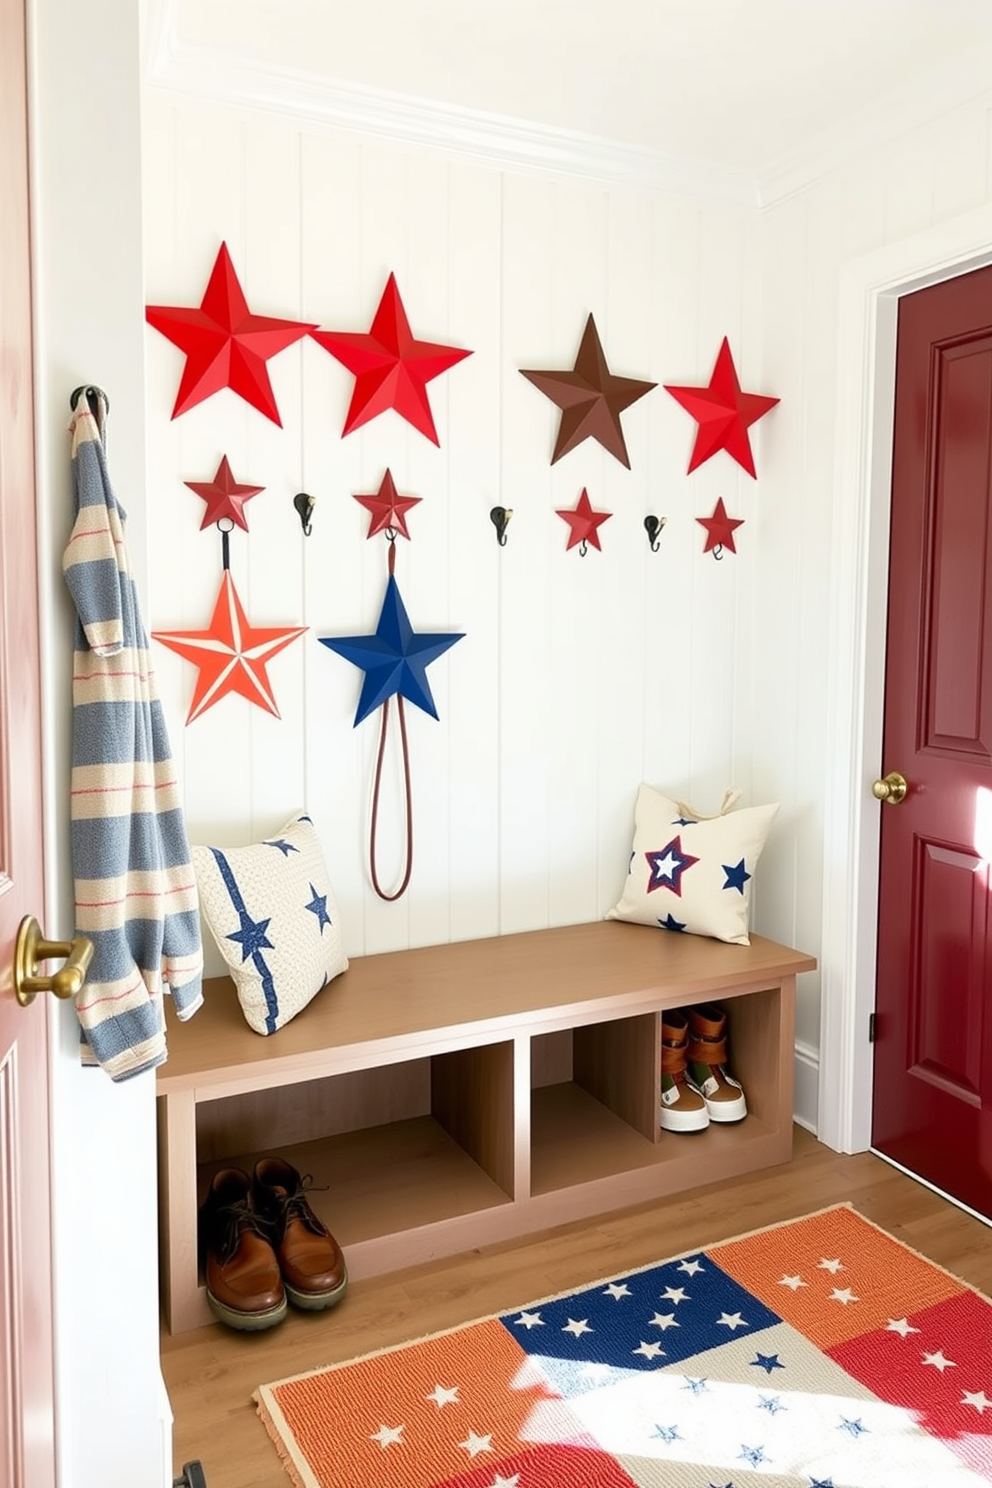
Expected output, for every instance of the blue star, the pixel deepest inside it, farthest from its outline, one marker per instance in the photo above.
(767, 1362)
(754, 1455)
(772, 1404)
(318, 906)
(395, 659)
(854, 1427)
(737, 877)
(284, 847)
(668, 1433)
(671, 923)
(667, 866)
(697, 1386)
(821, 1483)
(252, 935)
(684, 821)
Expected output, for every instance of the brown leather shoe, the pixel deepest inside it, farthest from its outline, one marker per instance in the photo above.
(244, 1287)
(313, 1269)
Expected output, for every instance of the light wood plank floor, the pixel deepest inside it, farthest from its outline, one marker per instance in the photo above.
(211, 1373)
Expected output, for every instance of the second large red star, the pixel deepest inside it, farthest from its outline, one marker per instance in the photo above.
(392, 368)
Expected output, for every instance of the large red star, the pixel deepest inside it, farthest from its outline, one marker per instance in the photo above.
(591, 399)
(224, 496)
(392, 368)
(584, 523)
(231, 654)
(720, 528)
(388, 507)
(724, 414)
(225, 345)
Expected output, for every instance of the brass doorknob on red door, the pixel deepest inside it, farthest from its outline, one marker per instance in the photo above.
(31, 949)
(891, 788)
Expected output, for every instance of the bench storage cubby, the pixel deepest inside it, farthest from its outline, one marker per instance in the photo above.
(450, 1096)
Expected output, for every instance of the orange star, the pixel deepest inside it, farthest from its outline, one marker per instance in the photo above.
(723, 413)
(231, 654)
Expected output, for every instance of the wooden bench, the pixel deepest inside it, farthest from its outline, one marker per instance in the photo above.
(460, 1094)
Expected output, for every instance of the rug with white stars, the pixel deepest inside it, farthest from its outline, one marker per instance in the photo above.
(820, 1353)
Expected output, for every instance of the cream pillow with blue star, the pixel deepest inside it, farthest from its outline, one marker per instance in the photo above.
(691, 873)
(271, 910)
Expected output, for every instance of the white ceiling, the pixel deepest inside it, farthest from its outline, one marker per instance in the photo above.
(737, 85)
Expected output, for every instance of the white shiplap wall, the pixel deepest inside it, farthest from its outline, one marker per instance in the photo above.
(578, 677)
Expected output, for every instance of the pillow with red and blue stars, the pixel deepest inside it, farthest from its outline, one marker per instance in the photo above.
(690, 873)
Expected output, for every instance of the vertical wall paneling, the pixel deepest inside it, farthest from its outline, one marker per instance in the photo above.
(526, 737)
(475, 484)
(578, 620)
(336, 294)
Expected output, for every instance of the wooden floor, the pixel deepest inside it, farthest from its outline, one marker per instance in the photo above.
(210, 1373)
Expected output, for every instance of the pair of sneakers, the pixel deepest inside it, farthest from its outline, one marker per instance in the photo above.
(263, 1246)
(696, 1086)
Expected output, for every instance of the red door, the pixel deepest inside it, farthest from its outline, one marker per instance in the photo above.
(933, 1051)
(27, 1456)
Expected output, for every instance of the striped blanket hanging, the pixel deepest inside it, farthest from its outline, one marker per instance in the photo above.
(135, 890)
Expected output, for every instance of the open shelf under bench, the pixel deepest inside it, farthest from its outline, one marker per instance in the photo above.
(450, 1096)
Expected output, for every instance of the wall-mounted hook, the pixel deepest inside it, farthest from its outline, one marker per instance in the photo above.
(653, 526)
(500, 516)
(94, 395)
(304, 506)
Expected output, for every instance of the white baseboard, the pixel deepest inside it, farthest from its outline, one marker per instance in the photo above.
(807, 1087)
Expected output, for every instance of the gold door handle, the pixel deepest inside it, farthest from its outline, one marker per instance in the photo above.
(31, 948)
(891, 788)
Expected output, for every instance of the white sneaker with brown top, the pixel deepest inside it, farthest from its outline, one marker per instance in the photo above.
(707, 1059)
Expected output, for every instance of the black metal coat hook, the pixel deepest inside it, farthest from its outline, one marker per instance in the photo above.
(653, 526)
(93, 394)
(304, 506)
(500, 516)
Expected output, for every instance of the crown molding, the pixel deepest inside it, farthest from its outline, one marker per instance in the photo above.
(492, 139)
(961, 80)
(221, 75)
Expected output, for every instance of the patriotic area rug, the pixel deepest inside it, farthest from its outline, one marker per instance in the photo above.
(820, 1353)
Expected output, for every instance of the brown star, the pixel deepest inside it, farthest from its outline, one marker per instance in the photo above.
(591, 399)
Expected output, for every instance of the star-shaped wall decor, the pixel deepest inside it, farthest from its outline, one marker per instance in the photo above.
(720, 528)
(723, 413)
(224, 496)
(591, 399)
(388, 508)
(583, 522)
(394, 659)
(392, 368)
(231, 654)
(226, 346)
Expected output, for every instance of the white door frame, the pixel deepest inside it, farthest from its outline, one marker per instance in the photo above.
(869, 290)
